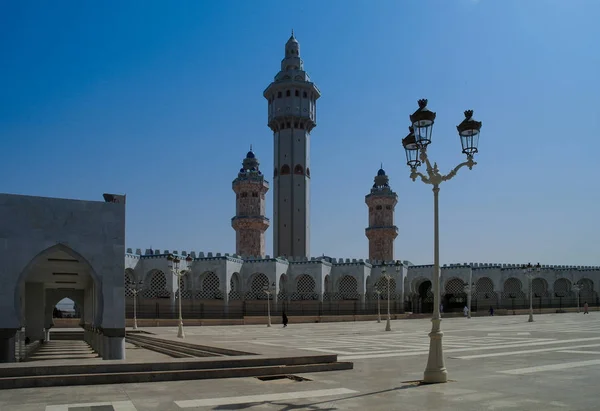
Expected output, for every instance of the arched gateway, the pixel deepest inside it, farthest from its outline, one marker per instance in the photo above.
(53, 248)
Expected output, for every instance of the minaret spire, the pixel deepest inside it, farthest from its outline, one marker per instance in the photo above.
(292, 112)
(381, 231)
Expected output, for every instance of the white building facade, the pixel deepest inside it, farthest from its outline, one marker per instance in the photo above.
(222, 282)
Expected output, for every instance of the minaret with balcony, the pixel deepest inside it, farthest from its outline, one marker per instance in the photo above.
(250, 222)
(381, 231)
(292, 98)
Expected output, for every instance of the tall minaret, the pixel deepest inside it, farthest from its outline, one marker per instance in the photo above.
(292, 115)
(381, 231)
(250, 222)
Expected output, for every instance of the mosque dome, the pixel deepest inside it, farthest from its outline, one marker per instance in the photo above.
(381, 172)
(250, 155)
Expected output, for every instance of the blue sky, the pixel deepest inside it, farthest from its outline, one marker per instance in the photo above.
(161, 100)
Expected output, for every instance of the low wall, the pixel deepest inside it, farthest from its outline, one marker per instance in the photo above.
(256, 320)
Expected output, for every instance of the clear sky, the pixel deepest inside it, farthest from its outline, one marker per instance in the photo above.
(161, 100)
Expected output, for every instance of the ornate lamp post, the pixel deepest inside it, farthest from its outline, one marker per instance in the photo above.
(388, 324)
(269, 291)
(468, 289)
(179, 273)
(577, 287)
(528, 270)
(415, 144)
(378, 292)
(135, 287)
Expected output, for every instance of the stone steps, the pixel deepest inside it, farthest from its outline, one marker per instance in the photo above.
(62, 350)
(118, 372)
(178, 349)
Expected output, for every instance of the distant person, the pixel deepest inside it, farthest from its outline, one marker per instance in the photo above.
(441, 308)
(586, 308)
(466, 311)
(492, 311)
(284, 319)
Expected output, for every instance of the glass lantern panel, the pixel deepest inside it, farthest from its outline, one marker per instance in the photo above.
(412, 156)
(469, 140)
(423, 131)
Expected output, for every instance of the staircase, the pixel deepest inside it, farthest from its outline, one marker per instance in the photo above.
(62, 350)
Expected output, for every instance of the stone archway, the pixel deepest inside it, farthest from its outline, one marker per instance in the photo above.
(55, 273)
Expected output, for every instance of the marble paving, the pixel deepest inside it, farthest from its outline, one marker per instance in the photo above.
(494, 363)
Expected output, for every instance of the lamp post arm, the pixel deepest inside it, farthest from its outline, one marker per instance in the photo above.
(414, 174)
(469, 163)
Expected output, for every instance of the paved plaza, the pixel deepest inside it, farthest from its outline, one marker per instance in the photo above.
(494, 363)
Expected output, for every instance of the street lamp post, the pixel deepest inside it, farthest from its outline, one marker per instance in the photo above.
(269, 291)
(415, 144)
(378, 292)
(529, 273)
(468, 289)
(388, 278)
(135, 287)
(577, 287)
(179, 273)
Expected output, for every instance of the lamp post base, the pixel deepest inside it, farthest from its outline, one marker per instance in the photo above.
(269, 323)
(530, 318)
(180, 333)
(388, 325)
(135, 324)
(436, 368)
(378, 320)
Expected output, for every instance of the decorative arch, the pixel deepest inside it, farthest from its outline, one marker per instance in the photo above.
(484, 290)
(540, 287)
(130, 279)
(327, 288)
(285, 170)
(348, 288)
(210, 287)
(562, 288)
(513, 288)
(305, 288)
(156, 285)
(258, 282)
(298, 169)
(60, 247)
(454, 287)
(235, 291)
(283, 287)
(587, 293)
(382, 285)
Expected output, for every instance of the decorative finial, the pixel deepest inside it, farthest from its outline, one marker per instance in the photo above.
(250, 147)
(422, 103)
(292, 32)
(468, 114)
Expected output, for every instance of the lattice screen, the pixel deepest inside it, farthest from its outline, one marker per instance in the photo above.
(425, 291)
(234, 285)
(348, 288)
(327, 294)
(455, 287)
(157, 287)
(587, 289)
(540, 287)
(257, 287)
(184, 284)
(513, 289)
(382, 285)
(129, 282)
(209, 287)
(484, 290)
(305, 288)
(562, 287)
(282, 295)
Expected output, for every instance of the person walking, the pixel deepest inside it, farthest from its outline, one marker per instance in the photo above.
(491, 311)
(466, 311)
(586, 308)
(284, 319)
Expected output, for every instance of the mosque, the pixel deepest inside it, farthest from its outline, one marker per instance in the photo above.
(292, 276)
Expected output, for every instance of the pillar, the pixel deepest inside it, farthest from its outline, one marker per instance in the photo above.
(7, 344)
(35, 297)
(113, 344)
